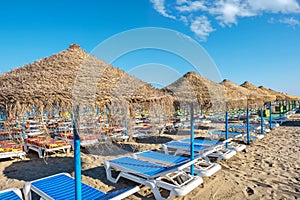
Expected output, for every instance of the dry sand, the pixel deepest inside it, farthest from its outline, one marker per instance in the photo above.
(269, 169)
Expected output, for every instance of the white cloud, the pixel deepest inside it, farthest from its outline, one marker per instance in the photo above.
(201, 27)
(275, 6)
(195, 13)
(159, 6)
(191, 6)
(179, 2)
(228, 12)
(290, 21)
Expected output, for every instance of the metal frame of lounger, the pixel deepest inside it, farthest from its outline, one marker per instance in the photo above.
(215, 151)
(236, 135)
(202, 167)
(83, 143)
(153, 175)
(42, 151)
(11, 194)
(62, 186)
(231, 145)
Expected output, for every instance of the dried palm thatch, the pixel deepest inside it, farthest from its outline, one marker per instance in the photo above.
(279, 96)
(267, 97)
(73, 77)
(194, 88)
(253, 97)
(292, 97)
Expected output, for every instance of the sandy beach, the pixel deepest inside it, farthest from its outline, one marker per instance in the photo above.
(268, 169)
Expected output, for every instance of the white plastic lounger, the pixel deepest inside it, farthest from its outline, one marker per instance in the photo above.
(235, 135)
(231, 145)
(202, 167)
(173, 178)
(215, 151)
(221, 134)
(11, 194)
(20, 154)
(42, 151)
(62, 186)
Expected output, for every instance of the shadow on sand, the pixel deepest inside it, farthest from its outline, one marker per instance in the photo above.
(29, 170)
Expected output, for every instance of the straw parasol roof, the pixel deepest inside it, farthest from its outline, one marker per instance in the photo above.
(267, 97)
(279, 96)
(194, 88)
(253, 97)
(73, 76)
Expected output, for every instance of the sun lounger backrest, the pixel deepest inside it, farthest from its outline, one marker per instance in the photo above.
(11, 194)
(61, 186)
(142, 168)
(170, 159)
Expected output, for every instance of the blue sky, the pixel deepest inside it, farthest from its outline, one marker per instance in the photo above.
(253, 40)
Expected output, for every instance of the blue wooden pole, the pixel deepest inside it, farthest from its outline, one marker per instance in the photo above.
(270, 119)
(23, 127)
(77, 161)
(248, 128)
(192, 138)
(262, 121)
(226, 128)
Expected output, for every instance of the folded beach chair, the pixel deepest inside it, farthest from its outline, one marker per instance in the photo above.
(62, 187)
(171, 178)
(205, 142)
(215, 151)
(11, 194)
(202, 167)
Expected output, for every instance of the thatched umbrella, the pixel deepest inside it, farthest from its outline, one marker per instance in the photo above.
(73, 76)
(273, 96)
(279, 96)
(194, 88)
(253, 97)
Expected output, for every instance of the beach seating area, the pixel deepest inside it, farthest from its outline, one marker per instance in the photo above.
(167, 168)
(192, 129)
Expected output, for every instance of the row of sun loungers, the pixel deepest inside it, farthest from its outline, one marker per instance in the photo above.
(170, 169)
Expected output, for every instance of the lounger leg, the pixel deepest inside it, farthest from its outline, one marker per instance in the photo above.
(155, 191)
(108, 173)
(27, 191)
(40, 153)
(25, 148)
(165, 148)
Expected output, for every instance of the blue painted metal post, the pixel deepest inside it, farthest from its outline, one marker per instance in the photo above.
(192, 138)
(270, 119)
(226, 128)
(77, 161)
(23, 127)
(262, 121)
(126, 126)
(248, 128)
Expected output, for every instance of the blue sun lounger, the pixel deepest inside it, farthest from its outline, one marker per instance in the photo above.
(202, 167)
(235, 135)
(62, 186)
(221, 134)
(204, 151)
(172, 178)
(231, 145)
(11, 194)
